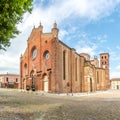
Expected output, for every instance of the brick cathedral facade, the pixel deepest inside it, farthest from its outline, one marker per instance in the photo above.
(50, 65)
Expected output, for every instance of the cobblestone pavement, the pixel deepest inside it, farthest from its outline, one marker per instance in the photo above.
(18, 105)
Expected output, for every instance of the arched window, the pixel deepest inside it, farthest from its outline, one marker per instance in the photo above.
(34, 52)
(16, 79)
(76, 69)
(7, 80)
(25, 66)
(46, 55)
(25, 69)
(64, 65)
(31, 73)
(97, 77)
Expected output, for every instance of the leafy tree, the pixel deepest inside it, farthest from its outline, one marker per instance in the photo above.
(11, 13)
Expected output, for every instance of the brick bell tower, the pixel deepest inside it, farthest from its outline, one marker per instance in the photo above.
(104, 63)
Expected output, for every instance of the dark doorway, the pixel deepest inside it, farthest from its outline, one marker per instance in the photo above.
(91, 85)
(117, 87)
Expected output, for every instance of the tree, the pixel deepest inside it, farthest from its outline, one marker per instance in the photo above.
(11, 13)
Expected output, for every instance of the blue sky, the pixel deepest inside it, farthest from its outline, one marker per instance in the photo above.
(89, 26)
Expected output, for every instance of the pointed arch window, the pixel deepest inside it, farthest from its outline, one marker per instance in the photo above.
(34, 52)
(97, 77)
(64, 65)
(76, 69)
(7, 80)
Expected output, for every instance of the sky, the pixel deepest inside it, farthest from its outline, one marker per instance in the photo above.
(89, 26)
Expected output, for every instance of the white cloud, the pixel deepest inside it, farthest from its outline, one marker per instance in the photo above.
(115, 74)
(85, 46)
(118, 47)
(118, 67)
(64, 9)
(10, 59)
(84, 8)
(86, 49)
(9, 63)
(89, 43)
(101, 38)
(62, 33)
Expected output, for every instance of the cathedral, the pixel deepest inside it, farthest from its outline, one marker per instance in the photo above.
(50, 65)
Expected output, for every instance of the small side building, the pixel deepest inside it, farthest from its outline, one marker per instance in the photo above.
(9, 80)
(115, 83)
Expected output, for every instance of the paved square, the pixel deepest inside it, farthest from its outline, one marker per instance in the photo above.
(17, 105)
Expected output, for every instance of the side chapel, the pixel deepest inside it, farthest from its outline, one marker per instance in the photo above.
(50, 65)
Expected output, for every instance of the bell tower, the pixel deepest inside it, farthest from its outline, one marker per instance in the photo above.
(104, 63)
(104, 60)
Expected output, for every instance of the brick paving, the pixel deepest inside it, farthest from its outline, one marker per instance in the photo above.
(17, 105)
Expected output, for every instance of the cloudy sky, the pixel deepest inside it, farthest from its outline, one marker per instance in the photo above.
(89, 26)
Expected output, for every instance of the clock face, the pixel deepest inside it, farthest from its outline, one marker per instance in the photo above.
(34, 54)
